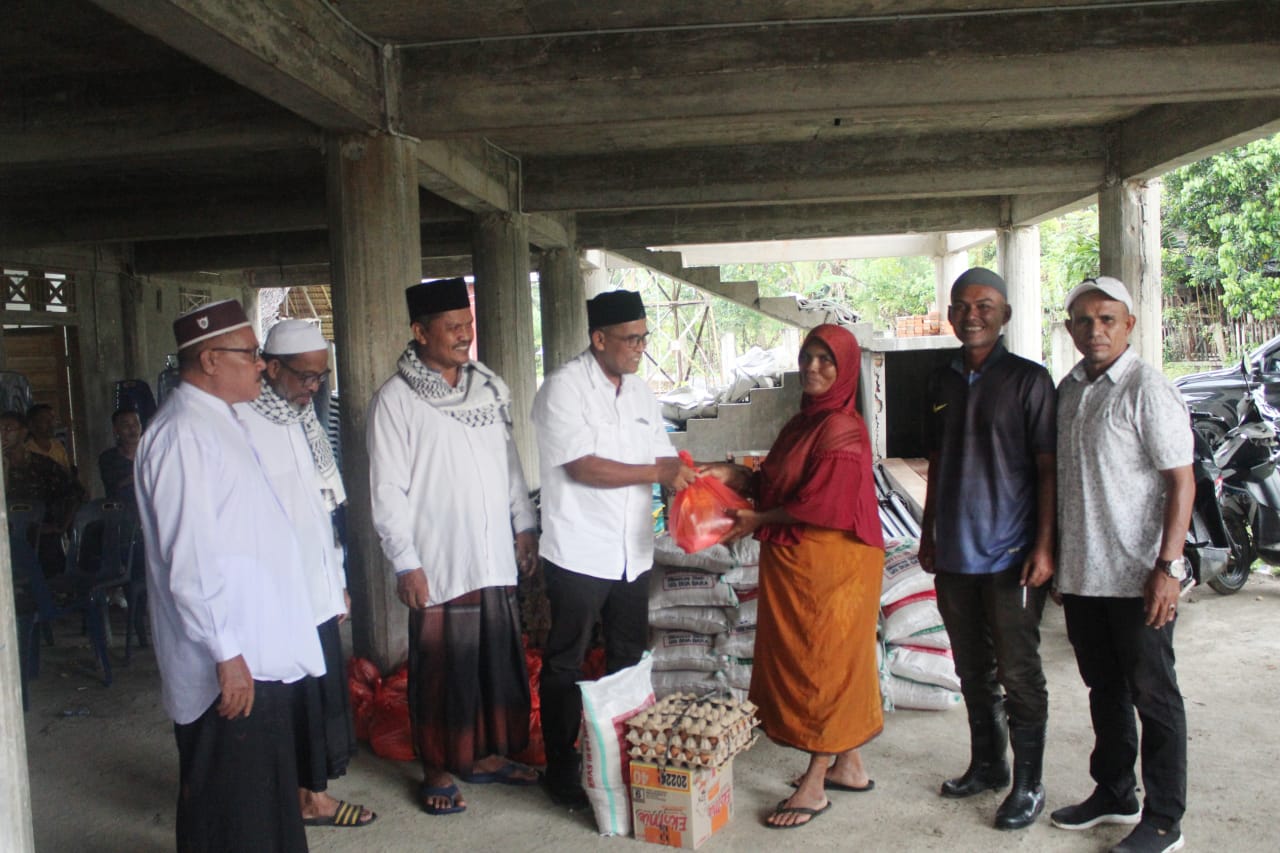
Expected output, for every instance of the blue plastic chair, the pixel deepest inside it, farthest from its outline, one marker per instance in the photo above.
(34, 601)
(98, 561)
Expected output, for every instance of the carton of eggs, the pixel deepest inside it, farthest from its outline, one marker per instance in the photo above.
(690, 732)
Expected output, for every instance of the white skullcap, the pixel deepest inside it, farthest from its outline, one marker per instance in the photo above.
(290, 337)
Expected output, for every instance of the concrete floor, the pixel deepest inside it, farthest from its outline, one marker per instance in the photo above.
(105, 780)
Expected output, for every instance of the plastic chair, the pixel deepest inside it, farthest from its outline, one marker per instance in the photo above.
(98, 558)
(136, 596)
(33, 600)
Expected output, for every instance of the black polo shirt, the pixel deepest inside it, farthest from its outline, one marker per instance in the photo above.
(985, 430)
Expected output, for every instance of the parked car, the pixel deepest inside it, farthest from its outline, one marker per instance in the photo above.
(1215, 395)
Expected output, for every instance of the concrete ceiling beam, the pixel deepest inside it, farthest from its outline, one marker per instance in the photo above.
(1126, 54)
(965, 164)
(640, 228)
(1167, 136)
(293, 52)
(274, 251)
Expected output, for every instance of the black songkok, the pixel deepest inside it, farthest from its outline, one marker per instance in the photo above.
(435, 297)
(614, 307)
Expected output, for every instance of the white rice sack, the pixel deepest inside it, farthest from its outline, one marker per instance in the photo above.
(670, 587)
(915, 621)
(746, 614)
(717, 558)
(686, 650)
(606, 706)
(743, 578)
(701, 620)
(739, 642)
(911, 695)
(686, 681)
(903, 576)
(738, 673)
(925, 665)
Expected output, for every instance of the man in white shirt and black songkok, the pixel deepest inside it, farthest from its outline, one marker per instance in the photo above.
(453, 513)
(601, 445)
(232, 635)
(294, 448)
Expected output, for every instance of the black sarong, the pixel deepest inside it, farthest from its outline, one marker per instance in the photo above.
(326, 737)
(238, 779)
(468, 685)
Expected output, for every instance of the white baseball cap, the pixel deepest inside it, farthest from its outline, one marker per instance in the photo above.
(1113, 287)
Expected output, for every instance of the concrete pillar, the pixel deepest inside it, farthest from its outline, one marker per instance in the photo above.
(1129, 249)
(595, 273)
(1018, 256)
(504, 319)
(947, 267)
(16, 833)
(102, 351)
(375, 253)
(564, 308)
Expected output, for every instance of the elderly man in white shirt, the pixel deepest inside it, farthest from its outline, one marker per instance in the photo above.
(294, 448)
(232, 636)
(602, 446)
(453, 513)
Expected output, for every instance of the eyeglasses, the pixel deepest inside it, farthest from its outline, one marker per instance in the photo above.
(633, 341)
(307, 379)
(254, 353)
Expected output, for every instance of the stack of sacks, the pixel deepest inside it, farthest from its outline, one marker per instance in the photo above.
(702, 617)
(917, 670)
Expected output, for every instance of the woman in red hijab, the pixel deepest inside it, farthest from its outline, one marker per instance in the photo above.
(815, 675)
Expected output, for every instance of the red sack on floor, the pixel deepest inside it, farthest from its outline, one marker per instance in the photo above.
(363, 681)
(390, 732)
(699, 515)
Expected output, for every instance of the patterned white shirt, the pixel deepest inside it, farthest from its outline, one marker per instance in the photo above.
(1115, 435)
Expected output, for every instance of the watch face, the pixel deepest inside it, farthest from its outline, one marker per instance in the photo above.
(1177, 569)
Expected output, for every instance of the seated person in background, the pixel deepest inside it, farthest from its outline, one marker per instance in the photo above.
(35, 477)
(42, 423)
(115, 464)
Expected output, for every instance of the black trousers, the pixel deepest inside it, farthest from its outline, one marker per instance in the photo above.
(578, 602)
(323, 727)
(238, 779)
(996, 642)
(1126, 666)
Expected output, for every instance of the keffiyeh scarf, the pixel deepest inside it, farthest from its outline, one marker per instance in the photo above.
(480, 399)
(277, 409)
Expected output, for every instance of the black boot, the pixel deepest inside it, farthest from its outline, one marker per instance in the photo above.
(1026, 801)
(988, 742)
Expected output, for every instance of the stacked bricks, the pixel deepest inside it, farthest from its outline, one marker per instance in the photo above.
(920, 325)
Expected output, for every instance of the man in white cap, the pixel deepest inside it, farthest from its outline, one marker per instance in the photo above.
(232, 636)
(295, 452)
(1125, 490)
(454, 517)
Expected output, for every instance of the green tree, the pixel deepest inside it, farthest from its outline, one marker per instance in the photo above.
(1221, 221)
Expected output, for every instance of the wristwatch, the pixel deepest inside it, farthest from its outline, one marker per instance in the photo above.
(1176, 569)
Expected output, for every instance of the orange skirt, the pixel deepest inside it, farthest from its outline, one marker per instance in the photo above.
(814, 675)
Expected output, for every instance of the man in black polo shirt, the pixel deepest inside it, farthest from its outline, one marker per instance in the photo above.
(988, 535)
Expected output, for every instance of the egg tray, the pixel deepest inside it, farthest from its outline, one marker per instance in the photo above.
(689, 731)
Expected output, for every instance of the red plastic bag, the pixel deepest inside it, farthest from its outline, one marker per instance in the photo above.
(700, 514)
(390, 732)
(363, 682)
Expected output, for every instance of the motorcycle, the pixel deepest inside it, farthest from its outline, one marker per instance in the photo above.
(1250, 501)
(1209, 547)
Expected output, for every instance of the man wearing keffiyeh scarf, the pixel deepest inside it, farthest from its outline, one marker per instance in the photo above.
(295, 453)
(453, 515)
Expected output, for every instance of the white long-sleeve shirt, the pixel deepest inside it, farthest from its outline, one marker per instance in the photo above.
(447, 498)
(286, 458)
(604, 533)
(224, 570)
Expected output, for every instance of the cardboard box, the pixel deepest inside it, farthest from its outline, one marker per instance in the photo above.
(680, 806)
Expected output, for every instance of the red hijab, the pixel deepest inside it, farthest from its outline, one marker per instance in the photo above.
(820, 465)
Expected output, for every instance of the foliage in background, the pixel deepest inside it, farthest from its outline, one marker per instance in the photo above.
(1221, 224)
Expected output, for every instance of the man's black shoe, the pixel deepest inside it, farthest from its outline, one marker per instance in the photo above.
(570, 795)
(1100, 807)
(1146, 838)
